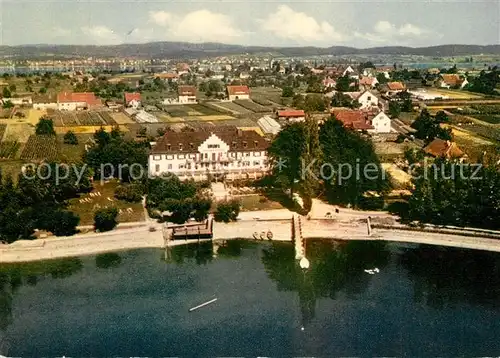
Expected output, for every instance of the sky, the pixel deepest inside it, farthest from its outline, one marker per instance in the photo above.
(355, 23)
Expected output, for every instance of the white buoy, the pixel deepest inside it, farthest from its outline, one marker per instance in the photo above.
(304, 263)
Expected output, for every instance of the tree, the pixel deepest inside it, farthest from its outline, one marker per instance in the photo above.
(352, 167)
(451, 193)
(45, 126)
(344, 84)
(405, 99)
(394, 109)
(161, 132)
(105, 219)
(429, 128)
(9, 104)
(70, 138)
(42, 90)
(6, 93)
(227, 211)
(340, 99)
(131, 193)
(287, 92)
(441, 117)
(12, 88)
(382, 79)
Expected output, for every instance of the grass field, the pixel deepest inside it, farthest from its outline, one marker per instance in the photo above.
(457, 94)
(399, 177)
(266, 93)
(3, 127)
(257, 202)
(68, 153)
(490, 118)
(232, 107)
(181, 111)
(87, 129)
(87, 209)
(18, 132)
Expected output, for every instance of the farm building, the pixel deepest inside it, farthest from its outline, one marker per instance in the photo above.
(187, 94)
(293, 115)
(365, 99)
(173, 77)
(229, 153)
(364, 121)
(269, 125)
(132, 99)
(72, 101)
(19, 101)
(366, 83)
(444, 148)
(451, 81)
(392, 88)
(42, 102)
(238, 92)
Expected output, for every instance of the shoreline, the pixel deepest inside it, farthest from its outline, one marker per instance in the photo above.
(317, 228)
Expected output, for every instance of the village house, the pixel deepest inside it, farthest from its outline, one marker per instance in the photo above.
(133, 99)
(292, 115)
(72, 101)
(186, 94)
(371, 122)
(367, 83)
(19, 101)
(228, 153)
(44, 101)
(172, 77)
(392, 88)
(451, 81)
(349, 71)
(329, 83)
(238, 92)
(440, 148)
(365, 99)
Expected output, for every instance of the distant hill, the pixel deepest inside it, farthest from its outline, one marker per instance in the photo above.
(189, 50)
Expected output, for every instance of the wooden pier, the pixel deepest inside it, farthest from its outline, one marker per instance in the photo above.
(298, 238)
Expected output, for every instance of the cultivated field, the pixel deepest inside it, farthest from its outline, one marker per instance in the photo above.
(3, 127)
(40, 147)
(263, 94)
(231, 107)
(8, 150)
(252, 106)
(87, 129)
(81, 118)
(121, 118)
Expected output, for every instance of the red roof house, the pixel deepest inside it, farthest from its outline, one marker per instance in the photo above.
(357, 120)
(129, 97)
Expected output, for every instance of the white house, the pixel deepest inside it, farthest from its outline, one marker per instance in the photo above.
(381, 123)
(292, 115)
(187, 94)
(226, 153)
(19, 101)
(238, 92)
(367, 100)
(133, 100)
(43, 102)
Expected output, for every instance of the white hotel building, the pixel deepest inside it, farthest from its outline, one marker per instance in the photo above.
(223, 153)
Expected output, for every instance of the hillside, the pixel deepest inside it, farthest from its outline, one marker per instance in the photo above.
(184, 50)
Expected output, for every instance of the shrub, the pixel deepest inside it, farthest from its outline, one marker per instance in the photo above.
(227, 211)
(105, 219)
(130, 193)
(70, 138)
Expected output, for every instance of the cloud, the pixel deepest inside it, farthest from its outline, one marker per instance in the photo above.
(58, 31)
(160, 18)
(386, 32)
(298, 26)
(197, 26)
(101, 35)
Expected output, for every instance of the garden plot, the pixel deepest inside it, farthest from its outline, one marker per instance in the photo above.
(3, 127)
(8, 150)
(18, 132)
(231, 107)
(121, 118)
(252, 106)
(40, 147)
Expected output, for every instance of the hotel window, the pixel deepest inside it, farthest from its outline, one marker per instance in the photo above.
(244, 144)
(256, 143)
(212, 146)
(156, 157)
(170, 157)
(247, 154)
(168, 146)
(191, 145)
(188, 166)
(256, 154)
(180, 146)
(181, 166)
(206, 155)
(181, 156)
(192, 156)
(256, 162)
(234, 145)
(157, 168)
(170, 166)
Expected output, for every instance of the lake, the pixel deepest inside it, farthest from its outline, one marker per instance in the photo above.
(425, 301)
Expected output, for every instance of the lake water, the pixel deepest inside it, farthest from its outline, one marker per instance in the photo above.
(426, 301)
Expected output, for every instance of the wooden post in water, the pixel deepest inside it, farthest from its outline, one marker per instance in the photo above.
(369, 226)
